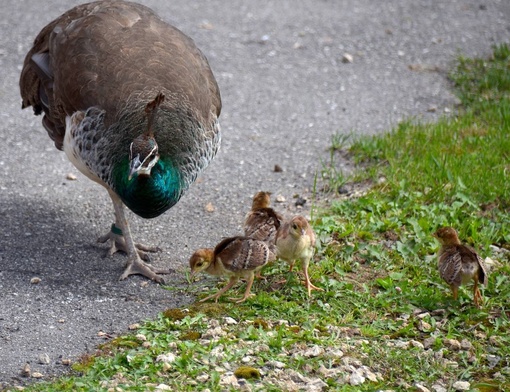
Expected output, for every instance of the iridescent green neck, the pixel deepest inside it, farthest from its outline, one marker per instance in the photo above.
(148, 196)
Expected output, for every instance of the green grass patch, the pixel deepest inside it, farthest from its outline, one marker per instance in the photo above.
(385, 320)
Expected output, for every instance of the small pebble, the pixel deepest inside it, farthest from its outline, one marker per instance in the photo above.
(230, 321)
(35, 280)
(347, 58)
(44, 359)
(421, 388)
(461, 386)
(356, 379)
(452, 344)
(26, 372)
(466, 345)
(70, 177)
(300, 201)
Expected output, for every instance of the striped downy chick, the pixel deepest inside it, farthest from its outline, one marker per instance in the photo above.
(262, 222)
(235, 257)
(458, 263)
(295, 240)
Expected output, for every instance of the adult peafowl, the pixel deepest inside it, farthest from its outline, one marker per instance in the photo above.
(132, 102)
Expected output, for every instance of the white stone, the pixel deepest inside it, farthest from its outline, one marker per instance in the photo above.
(230, 321)
(229, 379)
(438, 388)
(347, 58)
(452, 344)
(276, 364)
(421, 388)
(313, 351)
(466, 345)
(417, 344)
(166, 358)
(163, 387)
(334, 354)
(461, 386)
(356, 379)
(44, 359)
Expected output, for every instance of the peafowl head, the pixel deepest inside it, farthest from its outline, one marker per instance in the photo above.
(143, 151)
(298, 226)
(143, 155)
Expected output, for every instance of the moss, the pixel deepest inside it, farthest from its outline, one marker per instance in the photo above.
(83, 364)
(295, 328)
(190, 335)
(212, 310)
(174, 314)
(261, 323)
(247, 372)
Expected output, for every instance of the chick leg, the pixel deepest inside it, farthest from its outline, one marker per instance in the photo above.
(249, 283)
(308, 284)
(455, 291)
(477, 296)
(134, 264)
(231, 282)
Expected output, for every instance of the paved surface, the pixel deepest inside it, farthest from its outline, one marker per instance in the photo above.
(285, 90)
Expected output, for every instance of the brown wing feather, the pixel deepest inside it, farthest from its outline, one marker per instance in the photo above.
(450, 265)
(482, 271)
(262, 224)
(243, 254)
(103, 52)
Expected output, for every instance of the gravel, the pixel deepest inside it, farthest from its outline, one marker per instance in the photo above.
(286, 88)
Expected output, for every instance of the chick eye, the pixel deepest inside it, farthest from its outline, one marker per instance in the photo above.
(294, 226)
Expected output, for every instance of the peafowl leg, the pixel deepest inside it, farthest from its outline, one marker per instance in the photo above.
(121, 239)
(233, 280)
(118, 243)
(308, 284)
(477, 296)
(249, 283)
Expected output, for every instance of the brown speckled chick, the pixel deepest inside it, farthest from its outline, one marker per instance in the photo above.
(295, 240)
(458, 263)
(235, 257)
(262, 222)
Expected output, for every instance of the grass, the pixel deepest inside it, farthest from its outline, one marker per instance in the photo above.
(385, 321)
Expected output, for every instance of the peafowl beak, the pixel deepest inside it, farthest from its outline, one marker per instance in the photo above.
(143, 168)
(135, 166)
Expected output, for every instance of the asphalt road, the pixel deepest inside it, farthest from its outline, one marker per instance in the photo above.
(286, 90)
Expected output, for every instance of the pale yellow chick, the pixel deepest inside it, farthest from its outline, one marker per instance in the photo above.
(295, 240)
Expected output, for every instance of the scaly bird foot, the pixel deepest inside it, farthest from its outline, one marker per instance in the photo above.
(135, 266)
(118, 243)
(309, 287)
(242, 299)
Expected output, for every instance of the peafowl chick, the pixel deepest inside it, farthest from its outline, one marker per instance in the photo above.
(458, 263)
(132, 102)
(295, 240)
(235, 257)
(262, 222)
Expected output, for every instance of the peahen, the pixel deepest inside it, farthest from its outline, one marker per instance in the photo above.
(132, 102)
